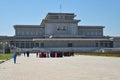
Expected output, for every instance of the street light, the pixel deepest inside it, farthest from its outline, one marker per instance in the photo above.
(3, 46)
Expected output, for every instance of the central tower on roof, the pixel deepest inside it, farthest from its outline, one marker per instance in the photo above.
(60, 24)
(63, 16)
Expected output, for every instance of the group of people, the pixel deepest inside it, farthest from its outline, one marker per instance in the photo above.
(53, 54)
(27, 53)
(48, 54)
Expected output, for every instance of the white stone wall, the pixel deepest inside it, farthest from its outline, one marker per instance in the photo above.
(84, 44)
(116, 44)
(30, 31)
(91, 32)
(52, 29)
(56, 44)
(74, 43)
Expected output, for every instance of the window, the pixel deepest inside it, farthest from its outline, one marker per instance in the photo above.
(17, 44)
(106, 44)
(61, 17)
(23, 33)
(12, 43)
(22, 45)
(27, 33)
(42, 44)
(32, 45)
(31, 33)
(61, 27)
(101, 44)
(64, 27)
(36, 33)
(18, 33)
(36, 44)
(100, 33)
(68, 18)
(27, 44)
(70, 45)
(53, 17)
(96, 44)
(111, 44)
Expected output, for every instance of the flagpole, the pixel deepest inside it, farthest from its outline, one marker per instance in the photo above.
(60, 6)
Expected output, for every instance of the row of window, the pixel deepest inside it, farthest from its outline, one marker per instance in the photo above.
(32, 45)
(61, 27)
(61, 17)
(104, 44)
(91, 33)
(27, 45)
(29, 33)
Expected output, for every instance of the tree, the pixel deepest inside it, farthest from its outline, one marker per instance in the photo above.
(7, 48)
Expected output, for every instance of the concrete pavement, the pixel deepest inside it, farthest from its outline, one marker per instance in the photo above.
(67, 68)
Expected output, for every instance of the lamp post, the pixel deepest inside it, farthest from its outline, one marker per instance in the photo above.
(3, 46)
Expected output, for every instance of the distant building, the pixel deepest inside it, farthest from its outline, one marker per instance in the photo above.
(61, 32)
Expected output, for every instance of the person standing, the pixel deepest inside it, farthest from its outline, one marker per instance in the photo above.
(24, 53)
(14, 57)
(27, 53)
(37, 54)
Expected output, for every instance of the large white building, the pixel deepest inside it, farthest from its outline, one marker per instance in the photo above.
(61, 32)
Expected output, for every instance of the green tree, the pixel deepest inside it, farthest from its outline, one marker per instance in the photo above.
(7, 48)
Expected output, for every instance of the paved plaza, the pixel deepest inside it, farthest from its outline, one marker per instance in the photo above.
(66, 68)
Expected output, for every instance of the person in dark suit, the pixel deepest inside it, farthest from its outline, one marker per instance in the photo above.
(28, 53)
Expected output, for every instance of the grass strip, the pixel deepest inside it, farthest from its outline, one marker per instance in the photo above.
(5, 56)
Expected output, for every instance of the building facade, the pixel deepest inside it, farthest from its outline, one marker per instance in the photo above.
(61, 32)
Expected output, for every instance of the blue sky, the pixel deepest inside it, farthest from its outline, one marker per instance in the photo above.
(31, 12)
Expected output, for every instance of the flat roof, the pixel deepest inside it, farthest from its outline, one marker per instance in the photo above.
(60, 14)
(71, 39)
(90, 26)
(27, 26)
